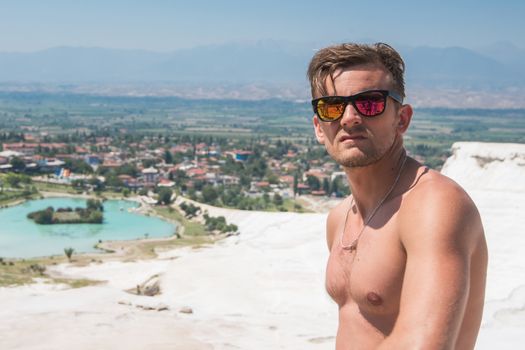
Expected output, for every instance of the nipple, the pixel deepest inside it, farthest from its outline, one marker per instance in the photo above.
(374, 299)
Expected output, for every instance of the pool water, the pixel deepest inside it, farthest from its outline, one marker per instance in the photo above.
(21, 237)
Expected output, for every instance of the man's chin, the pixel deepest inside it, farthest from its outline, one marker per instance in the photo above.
(357, 163)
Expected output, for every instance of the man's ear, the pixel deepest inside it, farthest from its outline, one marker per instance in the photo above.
(405, 116)
(319, 134)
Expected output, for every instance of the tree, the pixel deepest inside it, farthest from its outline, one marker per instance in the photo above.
(78, 166)
(326, 186)
(147, 163)
(96, 183)
(168, 157)
(209, 194)
(245, 181)
(43, 217)
(69, 253)
(18, 164)
(190, 210)
(95, 217)
(180, 177)
(13, 180)
(313, 182)
(295, 184)
(127, 169)
(112, 180)
(273, 179)
(277, 199)
(93, 204)
(165, 195)
(78, 184)
(339, 188)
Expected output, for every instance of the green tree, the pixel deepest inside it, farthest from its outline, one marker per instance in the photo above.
(245, 180)
(295, 184)
(313, 182)
(165, 195)
(180, 177)
(42, 217)
(168, 157)
(78, 184)
(112, 180)
(339, 188)
(96, 183)
(95, 217)
(190, 210)
(147, 163)
(18, 164)
(94, 204)
(209, 194)
(12, 180)
(78, 166)
(326, 186)
(277, 199)
(69, 253)
(273, 179)
(127, 169)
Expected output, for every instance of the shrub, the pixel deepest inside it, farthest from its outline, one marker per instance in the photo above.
(95, 217)
(40, 269)
(69, 253)
(165, 195)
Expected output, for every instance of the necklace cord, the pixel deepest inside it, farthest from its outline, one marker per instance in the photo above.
(353, 246)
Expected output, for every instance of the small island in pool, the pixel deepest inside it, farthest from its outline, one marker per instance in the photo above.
(92, 214)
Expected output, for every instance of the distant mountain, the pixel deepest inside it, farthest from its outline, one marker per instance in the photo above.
(264, 61)
(506, 53)
(458, 67)
(72, 64)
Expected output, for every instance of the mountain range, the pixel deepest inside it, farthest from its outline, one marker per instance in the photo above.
(497, 66)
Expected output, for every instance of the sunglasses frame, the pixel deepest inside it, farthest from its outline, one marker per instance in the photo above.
(352, 98)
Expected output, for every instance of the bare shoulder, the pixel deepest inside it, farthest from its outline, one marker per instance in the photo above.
(443, 209)
(334, 221)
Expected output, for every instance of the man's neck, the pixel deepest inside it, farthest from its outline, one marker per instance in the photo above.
(371, 183)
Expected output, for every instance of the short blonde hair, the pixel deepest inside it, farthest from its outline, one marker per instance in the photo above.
(326, 61)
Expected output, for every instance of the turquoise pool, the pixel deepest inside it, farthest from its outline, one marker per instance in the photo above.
(22, 238)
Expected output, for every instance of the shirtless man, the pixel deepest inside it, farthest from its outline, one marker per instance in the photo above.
(408, 256)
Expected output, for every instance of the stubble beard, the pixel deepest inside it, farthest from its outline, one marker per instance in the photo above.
(362, 160)
(367, 156)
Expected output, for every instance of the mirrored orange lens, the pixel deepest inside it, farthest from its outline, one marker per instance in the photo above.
(330, 111)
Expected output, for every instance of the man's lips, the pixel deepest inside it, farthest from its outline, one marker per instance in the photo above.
(352, 137)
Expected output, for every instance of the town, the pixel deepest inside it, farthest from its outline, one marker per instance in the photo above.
(253, 174)
(253, 155)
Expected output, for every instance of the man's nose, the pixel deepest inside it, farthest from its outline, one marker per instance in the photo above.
(350, 116)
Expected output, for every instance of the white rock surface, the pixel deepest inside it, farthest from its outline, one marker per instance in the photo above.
(487, 166)
(494, 176)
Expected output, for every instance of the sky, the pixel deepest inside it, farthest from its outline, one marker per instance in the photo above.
(162, 25)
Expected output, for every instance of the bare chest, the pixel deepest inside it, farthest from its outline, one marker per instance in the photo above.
(370, 276)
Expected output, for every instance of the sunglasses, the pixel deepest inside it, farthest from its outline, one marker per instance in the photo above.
(368, 103)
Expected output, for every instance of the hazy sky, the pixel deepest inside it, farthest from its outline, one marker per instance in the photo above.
(162, 25)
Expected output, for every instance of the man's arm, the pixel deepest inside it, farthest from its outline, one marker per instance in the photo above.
(440, 229)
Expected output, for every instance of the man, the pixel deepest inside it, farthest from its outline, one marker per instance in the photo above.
(408, 256)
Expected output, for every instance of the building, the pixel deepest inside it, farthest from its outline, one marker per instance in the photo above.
(150, 176)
